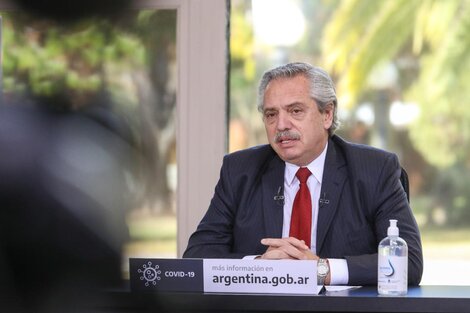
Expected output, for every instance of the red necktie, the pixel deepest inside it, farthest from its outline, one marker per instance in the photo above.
(301, 220)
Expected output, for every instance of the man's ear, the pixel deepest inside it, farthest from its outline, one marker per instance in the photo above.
(328, 115)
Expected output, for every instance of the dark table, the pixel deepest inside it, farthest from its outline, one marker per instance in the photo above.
(365, 299)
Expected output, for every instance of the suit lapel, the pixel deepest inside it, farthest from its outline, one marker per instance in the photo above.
(273, 185)
(334, 177)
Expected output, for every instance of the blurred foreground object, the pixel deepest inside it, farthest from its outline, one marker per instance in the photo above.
(69, 154)
(63, 199)
(68, 11)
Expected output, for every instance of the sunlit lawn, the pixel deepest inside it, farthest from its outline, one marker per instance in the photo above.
(446, 256)
(152, 236)
(447, 243)
(448, 248)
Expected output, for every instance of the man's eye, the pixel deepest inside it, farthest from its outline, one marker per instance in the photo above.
(269, 115)
(296, 111)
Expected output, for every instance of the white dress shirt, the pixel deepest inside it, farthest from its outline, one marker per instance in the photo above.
(338, 267)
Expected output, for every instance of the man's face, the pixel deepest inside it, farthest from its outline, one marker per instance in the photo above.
(296, 129)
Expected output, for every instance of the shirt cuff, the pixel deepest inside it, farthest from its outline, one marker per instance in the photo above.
(250, 257)
(339, 274)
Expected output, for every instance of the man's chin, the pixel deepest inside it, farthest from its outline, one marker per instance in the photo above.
(288, 157)
(287, 154)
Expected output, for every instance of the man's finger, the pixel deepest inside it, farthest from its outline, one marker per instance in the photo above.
(279, 242)
(276, 254)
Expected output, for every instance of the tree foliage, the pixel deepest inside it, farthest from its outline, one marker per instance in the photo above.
(428, 41)
(42, 58)
(129, 58)
(362, 34)
(442, 132)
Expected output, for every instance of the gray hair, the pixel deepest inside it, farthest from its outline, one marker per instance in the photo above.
(322, 89)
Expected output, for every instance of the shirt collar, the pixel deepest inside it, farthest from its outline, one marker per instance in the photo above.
(316, 168)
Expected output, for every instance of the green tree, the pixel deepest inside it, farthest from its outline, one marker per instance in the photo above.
(429, 42)
(244, 117)
(129, 58)
(436, 34)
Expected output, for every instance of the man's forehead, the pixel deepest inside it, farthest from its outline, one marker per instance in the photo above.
(287, 86)
(290, 96)
(286, 106)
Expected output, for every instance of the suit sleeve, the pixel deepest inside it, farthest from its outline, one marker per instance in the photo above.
(389, 202)
(214, 236)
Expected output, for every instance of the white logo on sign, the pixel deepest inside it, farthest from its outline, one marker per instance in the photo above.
(149, 274)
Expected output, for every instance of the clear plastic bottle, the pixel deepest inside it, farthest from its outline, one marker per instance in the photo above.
(393, 263)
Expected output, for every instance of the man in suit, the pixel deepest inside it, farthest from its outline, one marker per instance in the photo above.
(352, 190)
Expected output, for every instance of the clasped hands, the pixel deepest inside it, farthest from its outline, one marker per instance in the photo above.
(287, 248)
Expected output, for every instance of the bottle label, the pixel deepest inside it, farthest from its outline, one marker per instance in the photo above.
(392, 274)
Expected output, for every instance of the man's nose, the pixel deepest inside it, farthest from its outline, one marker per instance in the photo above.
(283, 121)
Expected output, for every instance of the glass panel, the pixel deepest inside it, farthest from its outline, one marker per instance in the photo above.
(113, 84)
(401, 84)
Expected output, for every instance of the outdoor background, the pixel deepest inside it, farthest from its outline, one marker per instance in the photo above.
(402, 70)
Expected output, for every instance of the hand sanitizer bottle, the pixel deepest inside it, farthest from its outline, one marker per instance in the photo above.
(393, 263)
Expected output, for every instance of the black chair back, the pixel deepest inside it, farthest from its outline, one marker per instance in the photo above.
(405, 183)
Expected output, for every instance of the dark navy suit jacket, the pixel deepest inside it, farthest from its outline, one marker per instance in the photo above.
(364, 191)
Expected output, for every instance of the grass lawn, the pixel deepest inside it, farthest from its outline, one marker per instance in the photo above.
(446, 243)
(152, 237)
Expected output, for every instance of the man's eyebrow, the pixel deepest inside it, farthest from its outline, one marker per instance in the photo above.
(293, 104)
(288, 106)
(269, 109)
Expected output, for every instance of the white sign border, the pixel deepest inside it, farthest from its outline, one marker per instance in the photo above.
(261, 276)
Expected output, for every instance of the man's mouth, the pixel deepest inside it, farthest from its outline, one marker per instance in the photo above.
(286, 140)
(286, 137)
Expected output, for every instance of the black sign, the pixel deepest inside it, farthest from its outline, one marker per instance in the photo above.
(166, 275)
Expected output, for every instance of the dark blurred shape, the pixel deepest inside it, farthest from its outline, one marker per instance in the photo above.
(68, 11)
(359, 133)
(66, 168)
(63, 197)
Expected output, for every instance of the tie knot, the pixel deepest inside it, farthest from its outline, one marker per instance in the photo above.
(302, 174)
